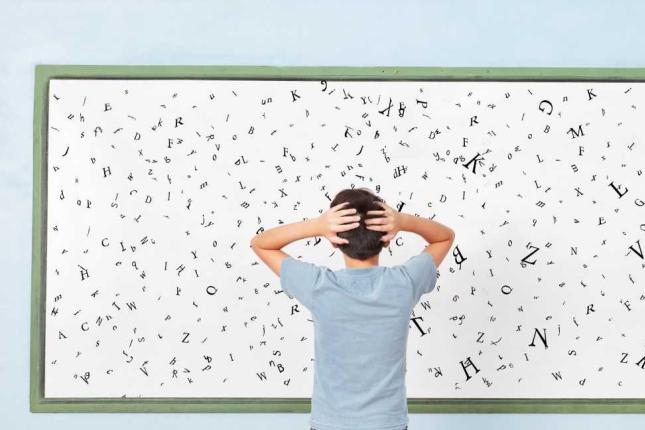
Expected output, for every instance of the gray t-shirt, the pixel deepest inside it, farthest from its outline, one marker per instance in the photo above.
(361, 324)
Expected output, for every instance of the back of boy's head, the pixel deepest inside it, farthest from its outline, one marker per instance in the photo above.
(363, 243)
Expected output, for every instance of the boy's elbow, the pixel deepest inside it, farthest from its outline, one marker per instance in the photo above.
(451, 235)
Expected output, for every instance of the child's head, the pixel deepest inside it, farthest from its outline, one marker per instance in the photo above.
(363, 243)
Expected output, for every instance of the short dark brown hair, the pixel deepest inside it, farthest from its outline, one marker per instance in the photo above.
(363, 243)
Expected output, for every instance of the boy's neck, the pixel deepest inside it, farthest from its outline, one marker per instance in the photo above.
(352, 263)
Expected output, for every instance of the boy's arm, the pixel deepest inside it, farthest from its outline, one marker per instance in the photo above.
(268, 244)
(422, 268)
(439, 236)
(392, 221)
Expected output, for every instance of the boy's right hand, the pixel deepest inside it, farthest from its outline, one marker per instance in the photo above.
(389, 221)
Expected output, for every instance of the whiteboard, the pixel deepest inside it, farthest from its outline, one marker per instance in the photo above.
(155, 188)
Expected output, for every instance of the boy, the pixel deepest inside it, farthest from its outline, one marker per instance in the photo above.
(361, 313)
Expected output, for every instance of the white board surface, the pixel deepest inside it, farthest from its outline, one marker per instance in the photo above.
(155, 188)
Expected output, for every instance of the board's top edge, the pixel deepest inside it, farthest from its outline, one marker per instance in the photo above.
(50, 71)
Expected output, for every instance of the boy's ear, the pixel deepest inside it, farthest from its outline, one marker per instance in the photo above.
(386, 244)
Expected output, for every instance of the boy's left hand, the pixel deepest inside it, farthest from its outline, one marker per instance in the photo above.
(336, 219)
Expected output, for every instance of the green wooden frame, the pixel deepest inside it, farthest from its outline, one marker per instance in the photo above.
(38, 403)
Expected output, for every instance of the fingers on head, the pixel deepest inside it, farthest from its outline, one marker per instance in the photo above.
(345, 227)
(375, 221)
(347, 219)
(347, 211)
(339, 240)
(339, 206)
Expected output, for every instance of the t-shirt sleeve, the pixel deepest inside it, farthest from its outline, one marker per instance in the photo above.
(422, 272)
(298, 279)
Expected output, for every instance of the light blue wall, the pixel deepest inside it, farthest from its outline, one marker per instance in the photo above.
(350, 33)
